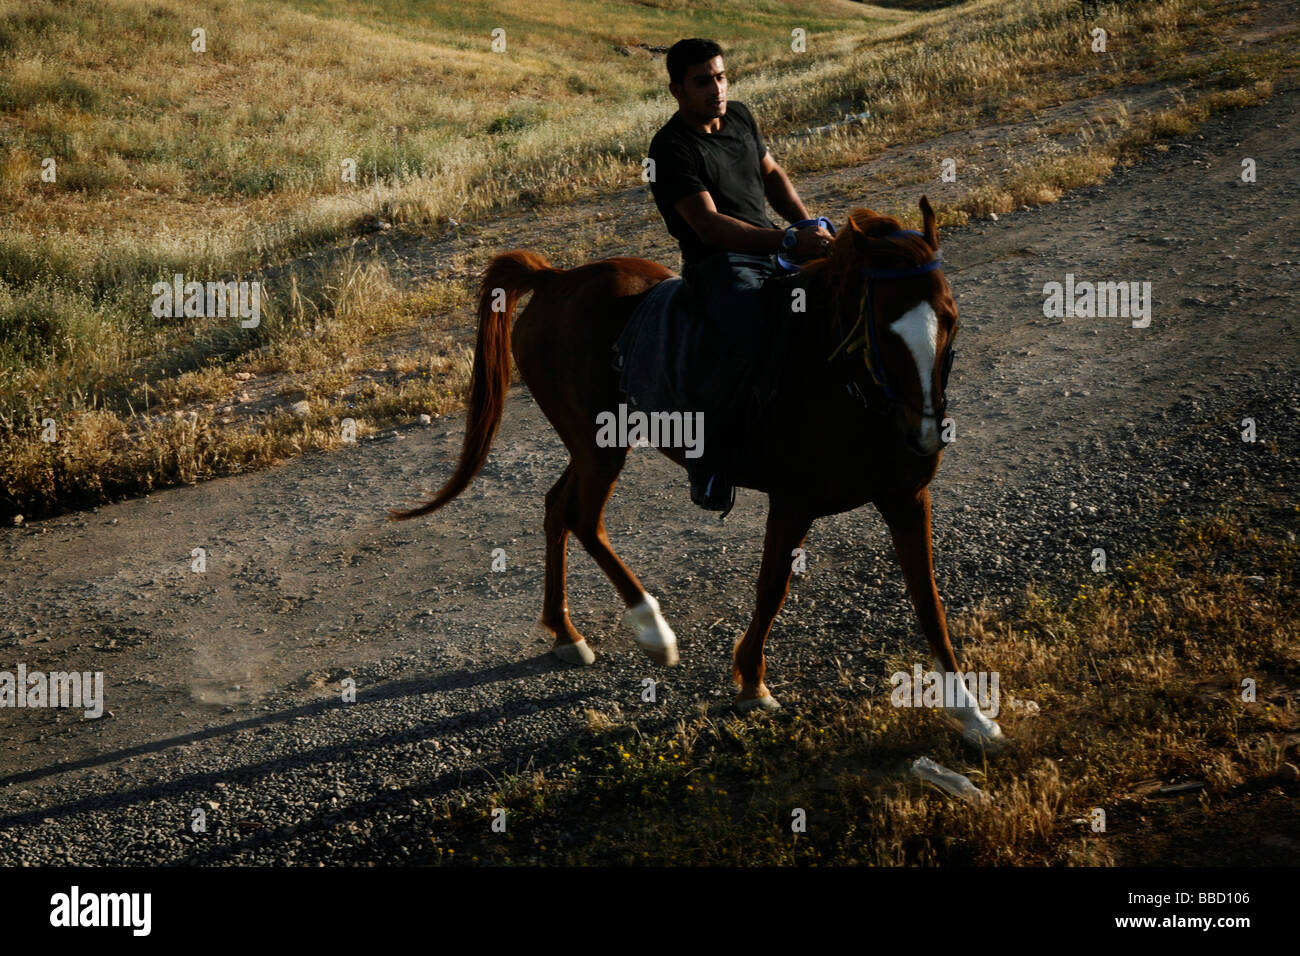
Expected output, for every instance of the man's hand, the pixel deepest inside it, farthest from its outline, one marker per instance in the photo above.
(812, 242)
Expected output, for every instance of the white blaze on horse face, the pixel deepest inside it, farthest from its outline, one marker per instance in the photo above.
(918, 327)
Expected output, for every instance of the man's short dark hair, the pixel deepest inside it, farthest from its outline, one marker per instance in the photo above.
(686, 53)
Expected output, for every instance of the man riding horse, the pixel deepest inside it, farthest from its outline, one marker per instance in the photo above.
(712, 179)
(863, 377)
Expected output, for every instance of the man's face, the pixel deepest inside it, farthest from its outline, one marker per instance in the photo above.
(703, 91)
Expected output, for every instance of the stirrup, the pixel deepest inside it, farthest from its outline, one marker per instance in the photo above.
(716, 495)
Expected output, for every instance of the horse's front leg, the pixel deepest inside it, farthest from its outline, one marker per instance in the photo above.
(785, 532)
(909, 525)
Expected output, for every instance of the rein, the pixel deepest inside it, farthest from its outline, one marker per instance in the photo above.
(855, 340)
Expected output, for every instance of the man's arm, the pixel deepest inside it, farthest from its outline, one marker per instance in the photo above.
(725, 232)
(780, 191)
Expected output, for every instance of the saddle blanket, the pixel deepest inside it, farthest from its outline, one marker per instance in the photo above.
(653, 355)
(668, 362)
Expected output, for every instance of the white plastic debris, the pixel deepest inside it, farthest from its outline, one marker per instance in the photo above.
(948, 781)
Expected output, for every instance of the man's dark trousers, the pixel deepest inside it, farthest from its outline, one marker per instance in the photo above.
(723, 292)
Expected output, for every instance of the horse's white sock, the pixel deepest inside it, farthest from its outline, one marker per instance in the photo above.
(965, 707)
(648, 625)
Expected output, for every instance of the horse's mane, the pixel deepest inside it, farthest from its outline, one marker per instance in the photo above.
(862, 241)
(847, 259)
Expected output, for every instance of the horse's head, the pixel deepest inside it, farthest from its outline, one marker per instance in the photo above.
(901, 316)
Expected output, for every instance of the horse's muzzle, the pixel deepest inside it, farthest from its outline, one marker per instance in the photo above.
(924, 441)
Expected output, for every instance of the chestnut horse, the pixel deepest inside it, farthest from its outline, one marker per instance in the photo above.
(839, 433)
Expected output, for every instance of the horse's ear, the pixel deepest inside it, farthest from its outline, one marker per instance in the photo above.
(856, 236)
(931, 228)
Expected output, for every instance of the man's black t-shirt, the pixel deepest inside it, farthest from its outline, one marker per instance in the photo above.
(726, 164)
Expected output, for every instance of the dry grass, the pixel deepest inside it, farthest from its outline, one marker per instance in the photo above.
(1045, 180)
(439, 126)
(320, 338)
(239, 151)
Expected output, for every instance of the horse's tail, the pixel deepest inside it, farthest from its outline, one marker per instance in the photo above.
(507, 278)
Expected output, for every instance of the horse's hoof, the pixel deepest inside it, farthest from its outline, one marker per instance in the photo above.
(986, 735)
(663, 656)
(575, 653)
(652, 632)
(759, 702)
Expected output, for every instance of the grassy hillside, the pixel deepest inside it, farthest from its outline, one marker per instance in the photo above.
(221, 163)
(169, 156)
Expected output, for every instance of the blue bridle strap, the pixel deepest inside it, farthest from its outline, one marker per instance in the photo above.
(930, 266)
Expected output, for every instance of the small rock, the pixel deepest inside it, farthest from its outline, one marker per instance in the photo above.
(301, 409)
(18, 519)
(426, 420)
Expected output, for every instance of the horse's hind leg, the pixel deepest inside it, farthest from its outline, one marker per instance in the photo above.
(570, 646)
(591, 481)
